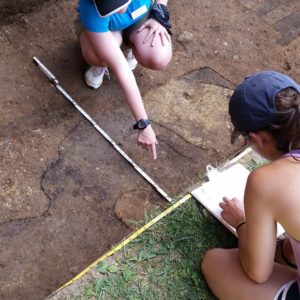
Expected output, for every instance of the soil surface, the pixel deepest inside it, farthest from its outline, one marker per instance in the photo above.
(66, 195)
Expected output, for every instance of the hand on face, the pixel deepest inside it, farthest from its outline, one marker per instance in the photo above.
(232, 211)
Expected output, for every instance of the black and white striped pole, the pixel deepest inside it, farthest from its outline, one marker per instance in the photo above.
(55, 82)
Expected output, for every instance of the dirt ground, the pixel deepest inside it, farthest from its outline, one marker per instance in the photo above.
(66, 194)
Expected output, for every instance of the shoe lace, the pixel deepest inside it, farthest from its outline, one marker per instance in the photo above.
(130, 55)
(98, 71)
(106, 72)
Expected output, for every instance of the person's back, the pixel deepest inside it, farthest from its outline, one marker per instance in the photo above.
(284, 177)
(265, 109)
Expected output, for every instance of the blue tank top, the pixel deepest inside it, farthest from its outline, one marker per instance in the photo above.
(94, 23)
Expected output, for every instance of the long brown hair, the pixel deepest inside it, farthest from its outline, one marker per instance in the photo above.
(286, 129)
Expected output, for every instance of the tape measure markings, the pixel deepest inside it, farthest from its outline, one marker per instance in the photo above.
(128, 240)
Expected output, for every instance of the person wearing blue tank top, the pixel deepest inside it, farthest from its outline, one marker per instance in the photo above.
(265, 110)
(144, 27)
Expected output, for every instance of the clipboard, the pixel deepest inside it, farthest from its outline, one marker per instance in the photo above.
(229, 182)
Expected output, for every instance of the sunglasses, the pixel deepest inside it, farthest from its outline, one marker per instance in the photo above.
(109, 7)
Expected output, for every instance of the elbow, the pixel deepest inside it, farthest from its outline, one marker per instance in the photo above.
(256, 270)
(257, 276)
(259, 279)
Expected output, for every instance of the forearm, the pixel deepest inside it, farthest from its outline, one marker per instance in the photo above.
(242, 247)
(241, 232)
(145, 138)
(131, 92)
(118, 64)
(109, 52)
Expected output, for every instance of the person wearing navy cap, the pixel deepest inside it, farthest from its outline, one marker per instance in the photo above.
(144, 27)
(265, 111)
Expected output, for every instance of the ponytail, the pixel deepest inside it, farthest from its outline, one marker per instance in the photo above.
(286, 129)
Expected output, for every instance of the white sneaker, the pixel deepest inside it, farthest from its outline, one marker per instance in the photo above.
(132, 62)
(94, 76)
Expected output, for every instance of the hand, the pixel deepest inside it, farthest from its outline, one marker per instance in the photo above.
(232, 211)
(147, 140)
(156, 30)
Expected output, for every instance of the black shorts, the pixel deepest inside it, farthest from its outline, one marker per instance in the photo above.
(290, 291)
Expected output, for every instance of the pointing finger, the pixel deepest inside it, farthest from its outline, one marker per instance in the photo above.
(153, 147)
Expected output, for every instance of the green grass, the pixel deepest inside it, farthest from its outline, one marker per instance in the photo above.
(252, 161)
(163, 262)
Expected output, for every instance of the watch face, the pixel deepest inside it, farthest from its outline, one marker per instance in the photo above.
(143, 123)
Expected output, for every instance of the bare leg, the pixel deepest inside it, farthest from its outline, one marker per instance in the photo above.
(228, 281)
(88, 52)
(153, 57)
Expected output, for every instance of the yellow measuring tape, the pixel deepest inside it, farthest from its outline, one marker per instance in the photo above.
(129, 239)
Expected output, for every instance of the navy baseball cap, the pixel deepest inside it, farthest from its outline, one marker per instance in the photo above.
(106, 8)
(252, 107)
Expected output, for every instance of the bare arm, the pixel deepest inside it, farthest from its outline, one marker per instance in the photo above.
(257, 237)
(107, 50)
(257, 240)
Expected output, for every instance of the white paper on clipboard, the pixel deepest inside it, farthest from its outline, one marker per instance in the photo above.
(230, 183)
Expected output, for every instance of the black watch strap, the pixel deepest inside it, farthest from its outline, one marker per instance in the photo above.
(141, 124)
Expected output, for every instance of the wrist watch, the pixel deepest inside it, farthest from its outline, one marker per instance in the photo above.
(141, 124)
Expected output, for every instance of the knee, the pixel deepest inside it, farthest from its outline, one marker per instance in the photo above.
(158, 62)
(155, 60)
(208, 260)
(90, 56)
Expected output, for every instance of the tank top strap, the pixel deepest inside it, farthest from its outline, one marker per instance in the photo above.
(294, 152)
